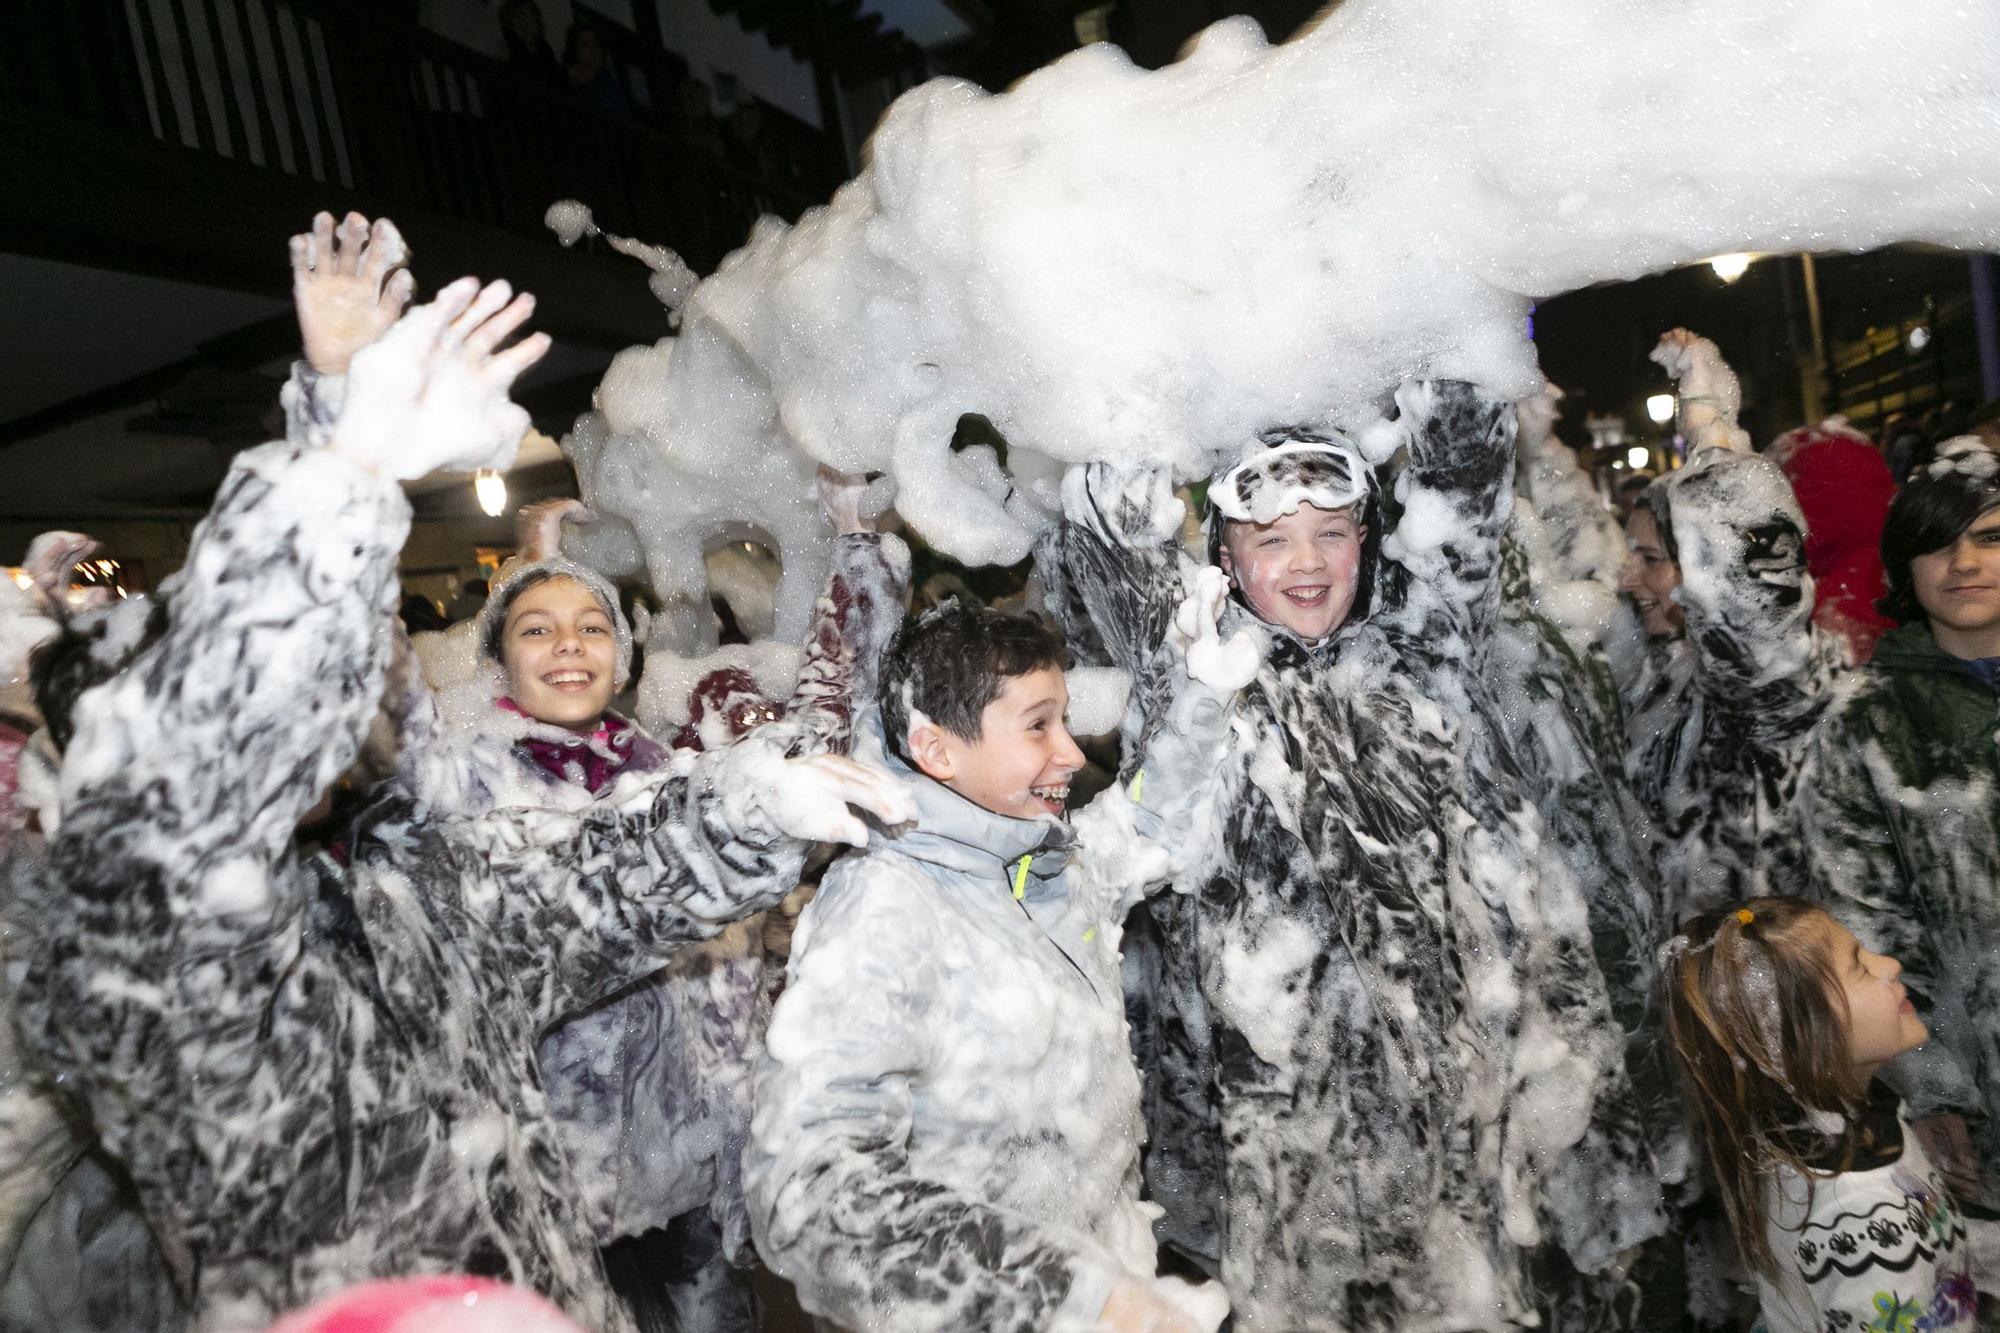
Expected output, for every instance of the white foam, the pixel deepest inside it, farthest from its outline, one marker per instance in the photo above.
(1110, 262)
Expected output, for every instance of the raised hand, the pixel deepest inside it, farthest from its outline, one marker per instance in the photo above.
(50, 559)
(809, 798)
(1224, 667)
(842, 493)
(349, 286)
(431, 394)
(1131, 1308)
(538, 527)
(1710, 396)
(1130, 503)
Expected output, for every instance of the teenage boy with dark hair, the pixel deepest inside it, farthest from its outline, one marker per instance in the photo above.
(1901, 802)
(947, 1130)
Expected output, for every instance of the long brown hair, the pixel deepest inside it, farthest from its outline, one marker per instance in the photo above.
(1759, 1024)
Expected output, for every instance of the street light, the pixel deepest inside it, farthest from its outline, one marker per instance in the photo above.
(1730, 267)
(1660, 407)
(1638, 455)
(491, 488)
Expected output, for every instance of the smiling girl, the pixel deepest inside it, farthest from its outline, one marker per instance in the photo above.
(650, 1090)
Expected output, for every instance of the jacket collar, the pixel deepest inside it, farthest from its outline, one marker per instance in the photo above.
(1912, 650)
(952, 833)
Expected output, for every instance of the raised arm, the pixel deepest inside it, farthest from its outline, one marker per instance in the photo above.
(1113, 566)
(856, 617)
(836, 1206)
(1740, 540)
(176, 899)
(1439, 584)
(579, 905)
(1164, 824)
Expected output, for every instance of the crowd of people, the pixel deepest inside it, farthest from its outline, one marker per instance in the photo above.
(1498, 919)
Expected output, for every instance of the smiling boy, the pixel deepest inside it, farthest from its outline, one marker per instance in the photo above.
(947, 1133)
(1900, 807)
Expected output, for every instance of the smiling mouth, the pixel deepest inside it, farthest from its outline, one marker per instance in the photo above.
(569, 682)
(1053, 798)
(1315, 596)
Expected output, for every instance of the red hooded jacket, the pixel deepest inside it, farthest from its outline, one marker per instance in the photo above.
(1844, 488)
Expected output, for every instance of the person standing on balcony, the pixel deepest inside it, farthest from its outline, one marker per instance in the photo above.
(591, 72)
(528, 49)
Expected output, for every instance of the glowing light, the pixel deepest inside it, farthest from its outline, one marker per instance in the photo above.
(491, 488)
(1730, 267)
(1660, 407)
(1638, 455)
(1920, 338)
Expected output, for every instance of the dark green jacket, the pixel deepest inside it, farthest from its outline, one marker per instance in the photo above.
(1901, 805)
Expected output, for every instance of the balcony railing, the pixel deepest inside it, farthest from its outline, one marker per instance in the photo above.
(352, 94)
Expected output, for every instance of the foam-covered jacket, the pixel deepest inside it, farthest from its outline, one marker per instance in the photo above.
(652, 1087)
(1901, 804)
(1385, 1051)
(1717, 720)
(1559, 703)
(318, 1074)
(948, 1125)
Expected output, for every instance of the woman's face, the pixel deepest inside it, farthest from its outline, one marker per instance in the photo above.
(1650, 576)
(561, 654)
(1299, 571)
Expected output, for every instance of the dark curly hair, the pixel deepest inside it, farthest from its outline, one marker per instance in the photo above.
(952, 661)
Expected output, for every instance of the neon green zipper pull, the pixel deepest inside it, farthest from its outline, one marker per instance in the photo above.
(1021, 876)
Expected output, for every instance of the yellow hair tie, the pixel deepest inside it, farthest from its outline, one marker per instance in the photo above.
(1745, 916)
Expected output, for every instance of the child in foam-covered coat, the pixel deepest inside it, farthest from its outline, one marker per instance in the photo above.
(317, 1073)
(1901, 801)
(1722, 698)
(1781, 1019)
(947, 1130)
(651, 1088)
(1385, 1087)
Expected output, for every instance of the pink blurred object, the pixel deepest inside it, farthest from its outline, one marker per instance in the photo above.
(430, 1305)
(1844, 488)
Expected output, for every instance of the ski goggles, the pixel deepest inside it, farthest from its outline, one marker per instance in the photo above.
(1275, 477)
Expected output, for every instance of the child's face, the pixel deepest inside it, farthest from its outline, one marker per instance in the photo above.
(561, 653)
(1959, 585)
(1881, 1022)
(1299, 571)
(1024, 758)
